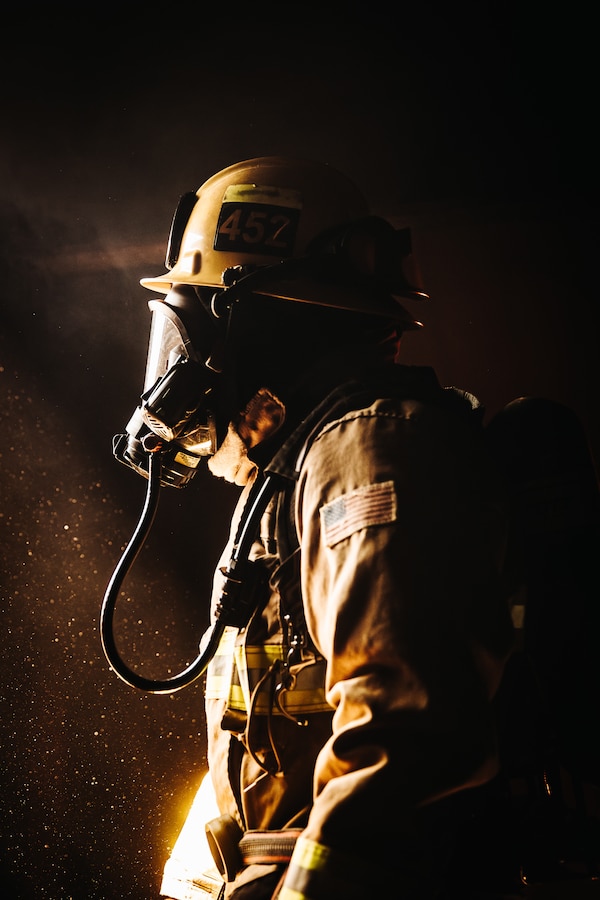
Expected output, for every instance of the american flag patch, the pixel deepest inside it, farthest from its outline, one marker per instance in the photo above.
(374, 504)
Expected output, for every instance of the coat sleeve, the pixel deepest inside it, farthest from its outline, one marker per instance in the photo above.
(402, 534)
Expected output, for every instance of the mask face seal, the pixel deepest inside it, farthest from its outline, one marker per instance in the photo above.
(175, 416)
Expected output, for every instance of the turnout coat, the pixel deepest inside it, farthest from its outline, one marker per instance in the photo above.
(356, 703)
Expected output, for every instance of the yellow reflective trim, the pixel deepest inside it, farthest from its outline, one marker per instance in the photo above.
(308, 702)
(310, 855)
(289, 894)
(217, 687)
(220, 670)
(235, 698)
(253, 659)
(257, 656)
(227, 642)
(252, 193)
(235, 670)
(220, 664)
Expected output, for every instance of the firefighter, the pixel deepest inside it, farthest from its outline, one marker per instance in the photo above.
(349, 706)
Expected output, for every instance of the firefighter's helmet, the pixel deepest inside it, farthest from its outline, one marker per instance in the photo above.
(293, 229)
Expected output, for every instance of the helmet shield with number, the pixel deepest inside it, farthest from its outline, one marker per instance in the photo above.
(293, 229)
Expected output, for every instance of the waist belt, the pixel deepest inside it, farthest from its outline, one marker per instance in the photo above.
(232, 848)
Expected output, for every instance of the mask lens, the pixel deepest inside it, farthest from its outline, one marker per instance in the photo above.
(169, 342)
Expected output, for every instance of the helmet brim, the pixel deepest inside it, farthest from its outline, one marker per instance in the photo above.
(340, 297)
(320, 282)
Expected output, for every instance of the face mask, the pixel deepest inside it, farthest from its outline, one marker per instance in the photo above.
(175, 416)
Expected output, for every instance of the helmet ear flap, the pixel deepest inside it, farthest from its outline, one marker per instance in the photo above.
(371, 248)
(368, 245)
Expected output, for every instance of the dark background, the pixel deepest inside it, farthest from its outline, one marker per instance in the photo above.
(476, 127)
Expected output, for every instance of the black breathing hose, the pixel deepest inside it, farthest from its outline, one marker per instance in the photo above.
(233, 608)
(133, 679)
